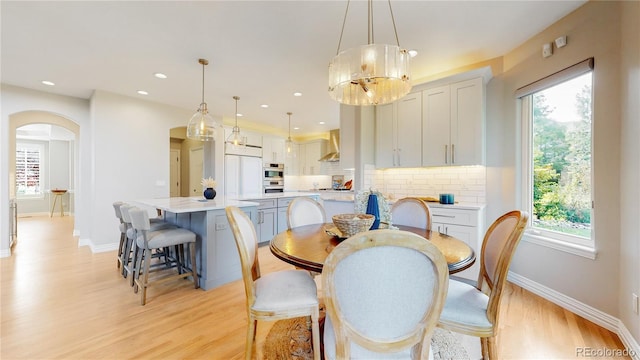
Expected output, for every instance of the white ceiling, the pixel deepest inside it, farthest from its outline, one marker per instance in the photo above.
(261, 51)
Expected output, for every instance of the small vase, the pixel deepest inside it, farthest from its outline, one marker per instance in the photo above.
(209, 193)
(373, 209)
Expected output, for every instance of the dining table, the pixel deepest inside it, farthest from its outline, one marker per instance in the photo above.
(308, 246)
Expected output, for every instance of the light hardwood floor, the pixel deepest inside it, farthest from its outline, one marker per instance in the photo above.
(59, 301)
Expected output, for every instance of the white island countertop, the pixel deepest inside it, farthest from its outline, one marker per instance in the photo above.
(286, 194)
(192, 204)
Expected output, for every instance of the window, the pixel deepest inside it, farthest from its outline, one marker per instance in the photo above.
(557, 162)
(29, 159)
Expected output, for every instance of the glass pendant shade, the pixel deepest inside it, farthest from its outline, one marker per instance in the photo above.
(235, 138)
(201, 126)
(288, 144)
(372, 74)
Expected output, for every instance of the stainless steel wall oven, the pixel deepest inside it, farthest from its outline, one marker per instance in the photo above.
(273, 178)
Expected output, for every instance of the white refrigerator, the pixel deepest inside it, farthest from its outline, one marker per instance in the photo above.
(242, 176)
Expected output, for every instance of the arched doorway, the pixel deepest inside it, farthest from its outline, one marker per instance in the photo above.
(63, 139)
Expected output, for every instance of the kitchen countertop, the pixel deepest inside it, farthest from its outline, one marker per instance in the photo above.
(285, 194)
(193, 204)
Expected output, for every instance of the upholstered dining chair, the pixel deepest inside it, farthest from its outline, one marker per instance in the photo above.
(305, 211)
(278, 295)
(148, 240)
(384, 291)
(473, 310)
(411, 211)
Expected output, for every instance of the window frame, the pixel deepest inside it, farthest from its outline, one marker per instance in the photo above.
(573, 244)
(41, 175)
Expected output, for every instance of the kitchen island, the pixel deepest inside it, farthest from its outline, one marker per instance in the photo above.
(216, 251)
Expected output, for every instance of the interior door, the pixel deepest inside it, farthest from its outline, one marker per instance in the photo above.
(174, 172)
(196, 163)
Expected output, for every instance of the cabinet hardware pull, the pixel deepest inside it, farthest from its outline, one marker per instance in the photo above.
(453, 154)
(446, 155)
(399, 157)
(393, 156)
(445, 216)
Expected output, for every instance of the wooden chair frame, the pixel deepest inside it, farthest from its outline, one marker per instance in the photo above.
(419, 337)
(304, 200)
(423, 205)
(250, 273)
(493, 284)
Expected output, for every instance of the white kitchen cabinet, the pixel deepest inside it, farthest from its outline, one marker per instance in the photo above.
(273, 151)
(347, 136)
(309, 154)
(453, 124)
(465, 224)
(399, 132)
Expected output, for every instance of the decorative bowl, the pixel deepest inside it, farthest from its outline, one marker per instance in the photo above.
(351, 224)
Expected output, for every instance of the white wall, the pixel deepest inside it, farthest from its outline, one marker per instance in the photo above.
(130, 159)
(593, 31)
(15, 100)
(630, 169)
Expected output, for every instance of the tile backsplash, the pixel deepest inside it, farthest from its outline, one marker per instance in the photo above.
(467, 183)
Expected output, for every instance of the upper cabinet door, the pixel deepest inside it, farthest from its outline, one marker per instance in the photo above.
(385, 145)
(408, 131)
(436, 126)
(273, 150)
(467, 122)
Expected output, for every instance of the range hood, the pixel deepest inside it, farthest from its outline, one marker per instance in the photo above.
(333, 153)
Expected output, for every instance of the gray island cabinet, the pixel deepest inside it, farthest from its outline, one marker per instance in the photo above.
(217, 255)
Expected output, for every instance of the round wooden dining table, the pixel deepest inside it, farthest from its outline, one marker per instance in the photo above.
(308, 246)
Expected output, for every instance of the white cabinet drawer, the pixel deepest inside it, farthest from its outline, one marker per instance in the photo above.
(455, 216)
(266, 203)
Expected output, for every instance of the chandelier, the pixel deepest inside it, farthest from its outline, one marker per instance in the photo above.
(235, 138)
(372, 74)
(201, 125)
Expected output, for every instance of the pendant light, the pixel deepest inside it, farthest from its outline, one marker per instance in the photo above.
(201, 125)
(372, 74)
(235, 138)
(289, 143)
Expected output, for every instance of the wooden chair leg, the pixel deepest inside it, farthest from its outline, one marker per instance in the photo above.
(486, 345)
(145, 276)
(492, 348)
(120, 250)
(315, 334)
(251, 336)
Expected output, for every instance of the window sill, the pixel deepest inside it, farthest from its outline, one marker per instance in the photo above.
(575, 249)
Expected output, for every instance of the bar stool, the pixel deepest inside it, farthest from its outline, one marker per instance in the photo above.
(148, 240)
(128, 253)
(123, 231)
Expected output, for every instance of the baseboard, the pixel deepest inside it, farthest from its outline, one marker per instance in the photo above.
(97, 248)
(590, 313)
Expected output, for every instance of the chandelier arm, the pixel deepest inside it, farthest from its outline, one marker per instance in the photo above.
(393, 20)
(343, 23)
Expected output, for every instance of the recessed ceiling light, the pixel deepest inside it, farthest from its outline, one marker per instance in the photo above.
(413, 53)
(160, 75)
(297, 94)
(264, 106)
(321, 123)
(296, 128)
(239, 115)
(47, 82)
(142, 92)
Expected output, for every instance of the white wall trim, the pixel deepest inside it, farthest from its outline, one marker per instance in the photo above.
(590, 313)
(98, 248)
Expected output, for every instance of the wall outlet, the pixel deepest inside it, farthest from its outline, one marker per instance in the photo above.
(636, 303)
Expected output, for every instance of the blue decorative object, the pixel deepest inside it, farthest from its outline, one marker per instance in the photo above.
(373, 209)
(209, 193)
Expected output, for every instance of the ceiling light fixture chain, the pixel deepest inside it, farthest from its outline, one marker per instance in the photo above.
(201, 126)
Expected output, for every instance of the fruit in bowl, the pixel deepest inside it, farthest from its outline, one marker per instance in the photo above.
(351, 224)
